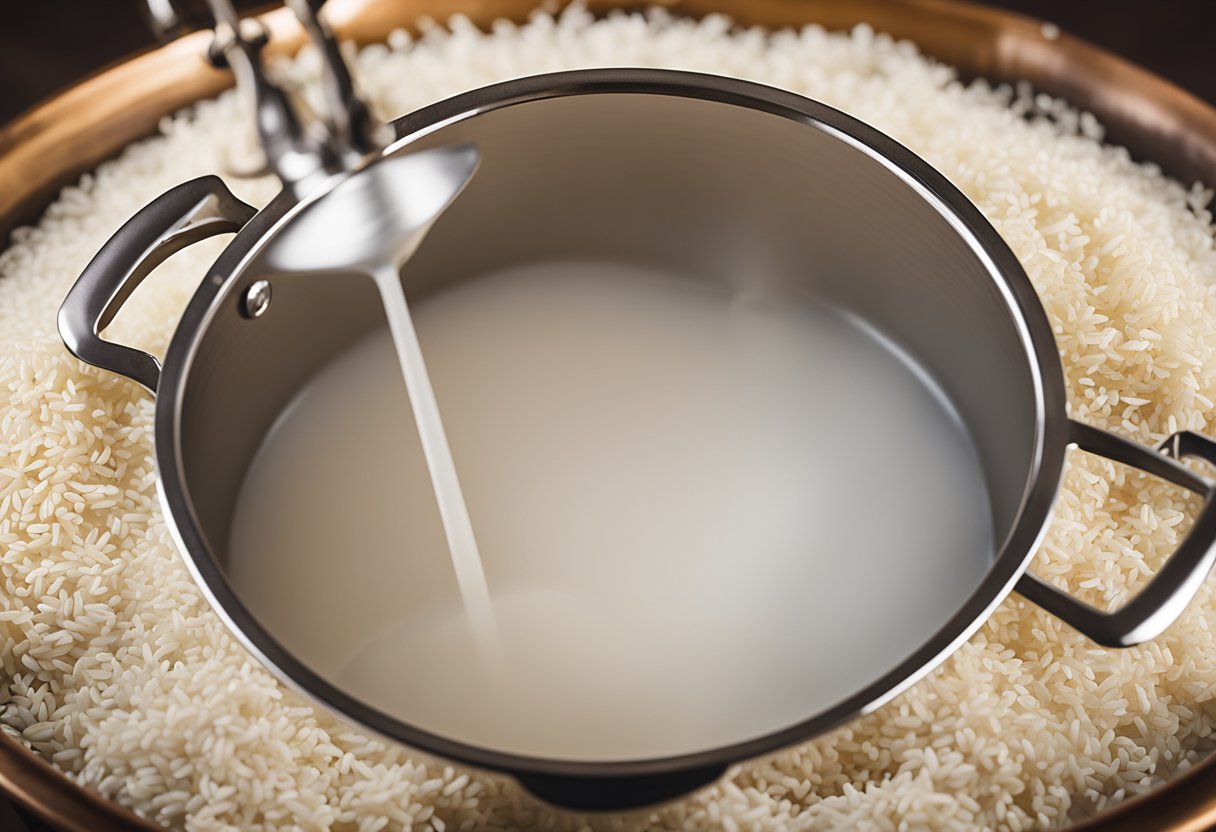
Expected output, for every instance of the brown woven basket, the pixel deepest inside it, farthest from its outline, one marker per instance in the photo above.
(54, 143)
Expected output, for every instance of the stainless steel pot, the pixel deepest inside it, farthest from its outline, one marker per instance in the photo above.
(686, 169)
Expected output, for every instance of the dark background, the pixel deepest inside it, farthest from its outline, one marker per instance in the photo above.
(45, 45)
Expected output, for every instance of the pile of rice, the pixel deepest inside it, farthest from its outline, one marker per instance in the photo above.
(117, 671)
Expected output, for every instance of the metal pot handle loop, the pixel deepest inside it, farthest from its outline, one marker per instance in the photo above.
(1157, 605)
(190, 212)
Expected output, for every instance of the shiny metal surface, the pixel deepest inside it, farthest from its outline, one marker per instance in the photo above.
(190, 212)
(172, 18)
(1160, 603)
(301, 147)
(73, 132)
(299, 156)
(257, 299)
(375, 217)
(347, 118)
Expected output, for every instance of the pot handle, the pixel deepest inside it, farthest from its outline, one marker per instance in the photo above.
(184, 215)
(1157, 605)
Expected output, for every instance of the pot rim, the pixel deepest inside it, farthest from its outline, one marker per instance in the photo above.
(1001, 265)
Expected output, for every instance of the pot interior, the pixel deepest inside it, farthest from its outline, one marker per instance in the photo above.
(766, 215)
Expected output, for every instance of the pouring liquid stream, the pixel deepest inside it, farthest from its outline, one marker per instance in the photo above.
(453, 511)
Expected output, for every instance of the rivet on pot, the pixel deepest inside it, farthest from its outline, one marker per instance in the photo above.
(256, 300)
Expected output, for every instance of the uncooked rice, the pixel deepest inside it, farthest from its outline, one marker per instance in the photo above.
(117, 671)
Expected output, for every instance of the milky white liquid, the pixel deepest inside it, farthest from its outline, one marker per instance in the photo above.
(703, 516)
(449, 497)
